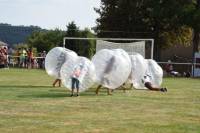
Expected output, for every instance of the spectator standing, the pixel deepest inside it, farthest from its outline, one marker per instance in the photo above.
(30, 61)
(43, 55)
(10, 53)
(18, 54)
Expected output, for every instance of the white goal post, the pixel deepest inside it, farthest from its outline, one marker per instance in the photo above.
(113, 39)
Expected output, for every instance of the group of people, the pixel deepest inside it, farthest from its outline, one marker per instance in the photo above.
(76, 78)
(145, 80)
(26, 59)
(22, 57)
(171, 72)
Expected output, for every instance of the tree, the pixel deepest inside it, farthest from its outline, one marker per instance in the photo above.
(81, 47)
(45, 40)
(156, 19)
(87, 46)
(191, 18)
(72, 31)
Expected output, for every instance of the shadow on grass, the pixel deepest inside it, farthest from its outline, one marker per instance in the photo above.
(55, 93)
(86, 93)
(23, 86)
(58, 90)
(50, 92)
(59, 95)
(46, 95)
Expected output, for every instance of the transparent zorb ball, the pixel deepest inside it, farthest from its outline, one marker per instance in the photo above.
(87, 73)
(113, 67)
(56, 58)
(138, 70)
(155, 72)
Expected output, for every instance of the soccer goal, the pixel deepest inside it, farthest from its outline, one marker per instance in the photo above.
(144, 47)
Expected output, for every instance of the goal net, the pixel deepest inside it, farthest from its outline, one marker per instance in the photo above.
(131, 46)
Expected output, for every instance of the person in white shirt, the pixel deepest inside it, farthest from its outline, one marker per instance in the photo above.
(147, 83)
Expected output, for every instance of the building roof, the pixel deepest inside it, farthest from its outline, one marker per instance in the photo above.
(3, 44)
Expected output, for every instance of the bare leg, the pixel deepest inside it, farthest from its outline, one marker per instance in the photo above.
(54, 83)
(123, 88)
(154, 88)
(59, 82)
(77, 91)
(97, 90)
(109, 91)
(131, 86)
(72, 92)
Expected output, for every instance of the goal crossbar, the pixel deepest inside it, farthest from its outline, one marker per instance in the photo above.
(112, 39)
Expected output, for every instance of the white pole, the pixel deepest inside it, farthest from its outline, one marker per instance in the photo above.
(64, 42)
(152, 48)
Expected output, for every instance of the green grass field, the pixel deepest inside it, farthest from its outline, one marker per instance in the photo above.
(28, 104)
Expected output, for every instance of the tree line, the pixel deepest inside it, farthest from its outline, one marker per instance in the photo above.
(169, 22)
(46, 40)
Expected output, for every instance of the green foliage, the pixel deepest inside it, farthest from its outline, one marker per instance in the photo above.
(82, 47)
(45, 40)
(21, 45)
(72, 31)
(182, 35)
(158, 19)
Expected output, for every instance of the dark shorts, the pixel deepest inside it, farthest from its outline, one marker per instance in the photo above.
(75, 83)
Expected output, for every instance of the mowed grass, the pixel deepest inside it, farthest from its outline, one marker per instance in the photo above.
(29, 104)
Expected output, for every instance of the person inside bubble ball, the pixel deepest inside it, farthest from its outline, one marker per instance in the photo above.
(147, 83)
(57, 81)
(76, 77)
(105, 78)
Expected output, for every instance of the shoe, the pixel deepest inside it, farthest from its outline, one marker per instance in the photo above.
(165, 89)
(71, 95)
(77, 95)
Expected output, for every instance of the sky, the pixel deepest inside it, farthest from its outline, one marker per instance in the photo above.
(49, 14)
